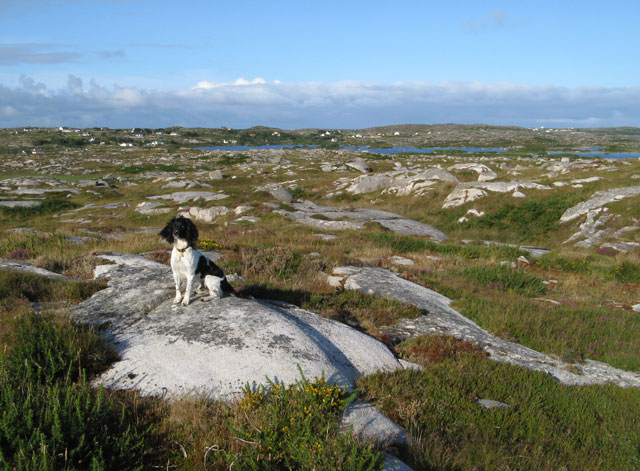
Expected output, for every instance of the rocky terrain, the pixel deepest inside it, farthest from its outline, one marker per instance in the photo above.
(300, 223)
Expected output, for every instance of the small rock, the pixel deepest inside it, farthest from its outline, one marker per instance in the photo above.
(391, 463)
(182, 197)
(335, 281)
(206, 214)
(216, 175)
(369, 424)
(326, 236)
(546, 300)
(360, 165)
(242, 209)
(408, 365)
(150, 208)
(252, 219)
(490, 404)
(636, 307)
(398, 260)
(277, 192)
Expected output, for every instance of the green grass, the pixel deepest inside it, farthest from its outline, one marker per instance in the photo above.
(546, 427)
(29, 245)
(506, 279)
(529, 219)
(135, 169)
(408, 244)
(572, 333)
(563, 263)
(626, 272)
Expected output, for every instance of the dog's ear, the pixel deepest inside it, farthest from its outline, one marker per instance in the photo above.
(167, 232)
(192, 232)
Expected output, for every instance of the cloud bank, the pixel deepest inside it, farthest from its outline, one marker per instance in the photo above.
(244, 103)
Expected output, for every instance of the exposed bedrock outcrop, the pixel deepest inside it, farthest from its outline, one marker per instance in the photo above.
(441, 318)
(336, 219)
(216, 347)
(598, 200)
(471, 191)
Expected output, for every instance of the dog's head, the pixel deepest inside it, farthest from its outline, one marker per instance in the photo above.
(180, 228)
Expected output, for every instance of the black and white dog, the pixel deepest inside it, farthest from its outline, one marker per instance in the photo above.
(188, 264)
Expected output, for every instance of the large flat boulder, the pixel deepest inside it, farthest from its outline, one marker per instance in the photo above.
(214, 348)
(331, 218)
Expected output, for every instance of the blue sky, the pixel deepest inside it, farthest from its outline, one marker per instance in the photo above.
(294, 64)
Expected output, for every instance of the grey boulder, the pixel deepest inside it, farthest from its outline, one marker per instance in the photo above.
(215, 348)
(368, 424)
(277, 192)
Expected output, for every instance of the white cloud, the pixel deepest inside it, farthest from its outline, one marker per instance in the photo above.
(348, 104)
(206, 85)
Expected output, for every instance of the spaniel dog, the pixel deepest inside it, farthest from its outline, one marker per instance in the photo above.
(188, 264)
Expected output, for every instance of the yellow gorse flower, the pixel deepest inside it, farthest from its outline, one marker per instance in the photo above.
(209, 244)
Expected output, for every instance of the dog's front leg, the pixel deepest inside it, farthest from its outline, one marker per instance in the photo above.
(178, 297)
(187, 293)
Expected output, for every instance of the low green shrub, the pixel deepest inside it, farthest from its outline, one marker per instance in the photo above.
(528, 219)
(16, 284)
(357, 309)
(44, 351)
(233, 159)
(47, 206)
(567, 264)
(296, 427)
(626, 272)
(51, 418)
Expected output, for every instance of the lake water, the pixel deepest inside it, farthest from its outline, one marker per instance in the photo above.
(597, 153)
(389, 151)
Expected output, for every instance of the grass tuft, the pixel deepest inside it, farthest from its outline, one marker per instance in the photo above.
(506, 279)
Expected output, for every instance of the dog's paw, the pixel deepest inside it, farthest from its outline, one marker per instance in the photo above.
(177, 299)
(185, 301)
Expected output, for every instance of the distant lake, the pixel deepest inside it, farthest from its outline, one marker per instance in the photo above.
(597, 153)
(388, 151)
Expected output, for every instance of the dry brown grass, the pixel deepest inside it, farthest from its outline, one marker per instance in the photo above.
(436, 348)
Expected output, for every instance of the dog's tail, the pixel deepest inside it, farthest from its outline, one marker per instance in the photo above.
(226, 287)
